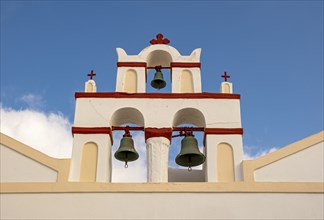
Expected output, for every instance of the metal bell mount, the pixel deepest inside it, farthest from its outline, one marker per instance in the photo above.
(158, 81)
(126, 151)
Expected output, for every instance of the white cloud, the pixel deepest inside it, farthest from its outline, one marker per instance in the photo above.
(249, 156)
(33, 101)
(48, 133)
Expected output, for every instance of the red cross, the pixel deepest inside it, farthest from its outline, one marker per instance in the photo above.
(225, 76)
(91, 74)
(160, 40)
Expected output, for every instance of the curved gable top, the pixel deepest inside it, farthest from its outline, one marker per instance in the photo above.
(144, 55)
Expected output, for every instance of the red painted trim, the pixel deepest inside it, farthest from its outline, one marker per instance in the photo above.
(131, 64)
(155, 132)
(93, 130)
(204, 95)
(185, 65)
(188, 129)
(158, 132)
(130, 128)
(154, 67)
(223, 131)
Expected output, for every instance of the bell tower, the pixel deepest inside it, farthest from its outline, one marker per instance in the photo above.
(215, 115)
(132, 69)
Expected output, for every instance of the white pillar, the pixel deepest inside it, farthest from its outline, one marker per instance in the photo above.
(157, 159)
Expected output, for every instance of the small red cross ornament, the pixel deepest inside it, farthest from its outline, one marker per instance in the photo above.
(91, 74)
(159, 40)
(225, 76)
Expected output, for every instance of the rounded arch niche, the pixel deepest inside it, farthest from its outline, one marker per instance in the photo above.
(159, 57)
(127, 116)
(189, 116)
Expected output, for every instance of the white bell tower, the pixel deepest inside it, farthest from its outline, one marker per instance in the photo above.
(98, 114)
(132, 69)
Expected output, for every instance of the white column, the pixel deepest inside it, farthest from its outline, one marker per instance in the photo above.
(157, 159)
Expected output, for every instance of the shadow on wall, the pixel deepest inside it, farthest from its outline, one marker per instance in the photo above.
(183, 175)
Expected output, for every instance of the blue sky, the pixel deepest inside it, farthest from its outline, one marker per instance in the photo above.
(273, 51)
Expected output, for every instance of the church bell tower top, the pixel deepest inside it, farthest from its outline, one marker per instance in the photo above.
(133, 70)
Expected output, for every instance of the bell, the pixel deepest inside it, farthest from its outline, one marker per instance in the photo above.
(190, 155)
(158, 81)
(126, 151)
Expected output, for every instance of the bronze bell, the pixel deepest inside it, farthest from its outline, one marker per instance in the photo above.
(126, 151)
(158, 81)
(190, 155)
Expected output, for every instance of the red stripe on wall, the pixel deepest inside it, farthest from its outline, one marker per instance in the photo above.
(203, 95)
(131, 64)
(223, 131)
(93, 130)
(185, 65)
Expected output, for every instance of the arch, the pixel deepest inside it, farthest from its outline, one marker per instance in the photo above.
(130, 81)
(225, 163)
(186, 82)
(89, 159)
(159, 57)
(189, 116)
(167, 52)
(127, 116)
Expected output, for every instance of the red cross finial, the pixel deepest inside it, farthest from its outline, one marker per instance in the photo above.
(225, 76)
(160, 40)
(91, 74)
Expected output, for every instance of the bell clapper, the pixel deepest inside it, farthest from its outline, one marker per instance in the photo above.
(126, 160)
(189, 163)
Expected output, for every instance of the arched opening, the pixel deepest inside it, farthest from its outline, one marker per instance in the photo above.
(130, 81)
(179, 173)
(159, 58)
(190, 118)
(225, 163)
(88, 171)
(137, 170)
(186, 82)
(166, 77)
